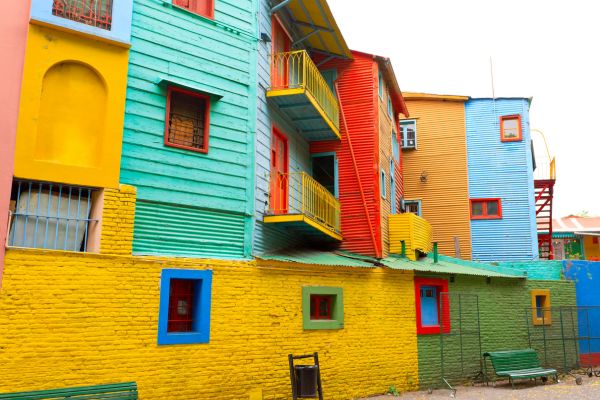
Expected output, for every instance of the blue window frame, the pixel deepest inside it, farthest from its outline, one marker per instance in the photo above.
(380, 85)
(395, 146)
(383, 189)
(390, 107)
(413, 206)
(325, 170)
(199, 331)
(330, 75)
(429, 306)
(394, 206)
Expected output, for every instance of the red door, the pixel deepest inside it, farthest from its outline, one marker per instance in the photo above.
(281, 45)
(279, 173)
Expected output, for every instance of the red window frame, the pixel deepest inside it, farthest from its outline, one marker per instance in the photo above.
(485, 214)
(205, 8)
(315, 302)
(520, 130)
(442, 287)
(204, 148)
(182, 290)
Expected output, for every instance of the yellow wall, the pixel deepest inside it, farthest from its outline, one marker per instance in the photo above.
(442, 153)
(73, 319)
(72, 109)
(590, 250)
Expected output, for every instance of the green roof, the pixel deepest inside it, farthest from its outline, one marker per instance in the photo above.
(333, 259)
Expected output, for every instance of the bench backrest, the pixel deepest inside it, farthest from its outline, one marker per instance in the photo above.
(514, 359)
(114, 391)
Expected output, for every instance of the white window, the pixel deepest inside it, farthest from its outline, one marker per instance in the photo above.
(412, 206)
(409, 134)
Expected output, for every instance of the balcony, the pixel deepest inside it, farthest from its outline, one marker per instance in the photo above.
(301, 92)
(301, 203)
(415, 231)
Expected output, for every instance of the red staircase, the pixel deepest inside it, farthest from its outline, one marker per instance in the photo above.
(544, 193)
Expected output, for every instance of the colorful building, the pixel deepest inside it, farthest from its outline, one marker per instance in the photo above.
(576, 238)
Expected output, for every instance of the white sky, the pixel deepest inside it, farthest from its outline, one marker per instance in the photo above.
(548, 50)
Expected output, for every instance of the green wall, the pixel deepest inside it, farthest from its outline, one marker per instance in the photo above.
(503, 326)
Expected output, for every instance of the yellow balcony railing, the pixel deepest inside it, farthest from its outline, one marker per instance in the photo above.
(298, 194)
(295, 70)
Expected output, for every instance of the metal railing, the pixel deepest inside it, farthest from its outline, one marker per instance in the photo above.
(545, 171)
(96, 13)
(295, 70)
(299, 193)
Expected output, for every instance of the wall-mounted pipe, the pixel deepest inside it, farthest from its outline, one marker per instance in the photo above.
(435, 252)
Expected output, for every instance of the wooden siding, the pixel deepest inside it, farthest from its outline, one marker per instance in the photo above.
(442, 152)
(501, 170)
(212, 56)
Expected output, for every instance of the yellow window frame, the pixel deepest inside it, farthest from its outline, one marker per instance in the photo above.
(546, 318)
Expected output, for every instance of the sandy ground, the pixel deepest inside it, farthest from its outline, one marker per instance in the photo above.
(566, 389)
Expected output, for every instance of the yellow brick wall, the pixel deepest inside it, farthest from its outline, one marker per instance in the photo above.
(117, 220)
(75, 319)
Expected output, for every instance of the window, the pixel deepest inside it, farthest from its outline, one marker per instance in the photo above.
(431, 300)
(51, 216)
(187, 121)
(412, 206)
(206, 8)
(390, 106)
(486, 209)
(324, 170)
(380, 85)
(383, 184)
(395, 146)
(408, 129)
(540, 303)
(393, 205)
(322, 307)
(184, 313)
(510, 128)
(97, 13)
(330, 76)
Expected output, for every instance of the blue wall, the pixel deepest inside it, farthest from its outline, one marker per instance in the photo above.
(501, 170)
(190, 203)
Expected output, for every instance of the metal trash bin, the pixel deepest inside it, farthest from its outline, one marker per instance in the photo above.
(306, 380)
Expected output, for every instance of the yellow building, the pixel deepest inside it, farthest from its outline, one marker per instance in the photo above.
(434, 156)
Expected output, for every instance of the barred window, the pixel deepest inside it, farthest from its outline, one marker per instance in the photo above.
(51, 216)
(187, 120)
(97, 13)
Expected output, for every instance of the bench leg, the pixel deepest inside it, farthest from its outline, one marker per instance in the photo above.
(512, 382)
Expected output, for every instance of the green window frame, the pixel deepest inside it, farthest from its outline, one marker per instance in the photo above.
(337, 320)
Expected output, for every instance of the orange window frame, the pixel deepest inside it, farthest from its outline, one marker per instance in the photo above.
(205, 8)
(485, 214)
(206, 99)
(519, 131)
(544, 309)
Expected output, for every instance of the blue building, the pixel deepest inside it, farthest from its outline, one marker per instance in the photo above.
(501, 183)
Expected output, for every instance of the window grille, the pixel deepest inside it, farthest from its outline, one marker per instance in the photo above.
(187, 120)
(50, 216)
(181, 302)
(97, 13)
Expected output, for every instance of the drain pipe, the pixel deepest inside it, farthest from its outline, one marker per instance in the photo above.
(435, 252)
(403, 248)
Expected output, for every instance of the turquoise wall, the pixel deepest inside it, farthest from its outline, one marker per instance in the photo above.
(189, 202)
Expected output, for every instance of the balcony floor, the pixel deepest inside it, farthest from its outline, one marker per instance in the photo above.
(306, 114)
(304, 225)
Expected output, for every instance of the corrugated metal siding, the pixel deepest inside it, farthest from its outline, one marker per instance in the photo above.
(442, 152)
(384, 156)
(162, 229)
(504, 170)
(416, 232)
(174, 44)
(358, 92)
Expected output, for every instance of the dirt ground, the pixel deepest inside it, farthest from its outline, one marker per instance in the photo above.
(525, 390)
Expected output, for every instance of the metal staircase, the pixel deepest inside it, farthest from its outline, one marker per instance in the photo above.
(544, 193)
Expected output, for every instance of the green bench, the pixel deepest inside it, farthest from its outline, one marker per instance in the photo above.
(518, 364)
(115, 391)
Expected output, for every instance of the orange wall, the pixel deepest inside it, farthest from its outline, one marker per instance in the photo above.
(442, 153)
(14, 21)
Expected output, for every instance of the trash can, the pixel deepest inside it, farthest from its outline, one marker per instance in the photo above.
(306, 380)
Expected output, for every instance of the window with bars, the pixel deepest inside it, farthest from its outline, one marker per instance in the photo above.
(322, 307)
(51, 216)
(188, 119)
(185, 301)
(206, 8)
(97, 13)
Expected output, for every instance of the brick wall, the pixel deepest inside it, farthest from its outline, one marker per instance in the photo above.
(76, 319)
(117, 220)
(502, 305)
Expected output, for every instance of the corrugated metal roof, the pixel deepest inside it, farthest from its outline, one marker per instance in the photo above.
(311, 257)
(445, 265)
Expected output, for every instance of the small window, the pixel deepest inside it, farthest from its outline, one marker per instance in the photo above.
(187, 120)
(206, 8)
(97, 13)
(510, 128)
(390, 106)
(412, 206)
(431, 300)
(395, 146)
(51, 216)
(393, 204)
(408, 130)
(383, 184)
(381, 84)
(184, 313)
(540, 303)
(324, 170)
(486, 209)
(322, 307)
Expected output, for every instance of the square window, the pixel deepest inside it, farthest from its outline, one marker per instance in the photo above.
(184, 313)
(322, 307)
(188, 120)
(431, 301)
(206, 8)
(540, 303)
(408, 129)
(510, 128)
(97, 13)
(413, 206)
(486, 209)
